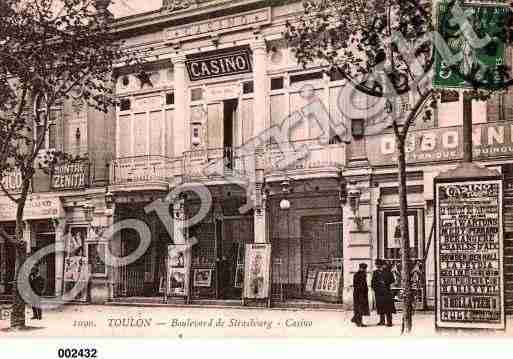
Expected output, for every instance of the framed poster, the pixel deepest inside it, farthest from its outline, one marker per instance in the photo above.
(176, 256)
(257, 270)
(177, 282)
(469, 254)
(328, 282)
(202, 278)
(391, 233)
(75, 240)
(178, 270)
(96, 255)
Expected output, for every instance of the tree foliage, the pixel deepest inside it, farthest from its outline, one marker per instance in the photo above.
(51, 51)
(360, 38)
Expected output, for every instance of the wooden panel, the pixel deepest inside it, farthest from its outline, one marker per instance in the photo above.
(156, 133)
(246, 118)
(298, 131)
(278, 109)
(125, 134)
(215, 130)
(140, 134)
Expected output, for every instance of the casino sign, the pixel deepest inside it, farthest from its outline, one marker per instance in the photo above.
(216, 64)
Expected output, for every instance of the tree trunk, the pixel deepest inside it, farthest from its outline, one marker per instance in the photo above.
(18, 307)
(407, 322)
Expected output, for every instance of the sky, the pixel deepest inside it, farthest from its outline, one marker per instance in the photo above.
(122, 8)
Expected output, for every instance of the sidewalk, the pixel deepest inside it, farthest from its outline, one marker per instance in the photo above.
(183, 322)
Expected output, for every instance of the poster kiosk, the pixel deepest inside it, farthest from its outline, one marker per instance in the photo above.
(257, 274)
(469, 249)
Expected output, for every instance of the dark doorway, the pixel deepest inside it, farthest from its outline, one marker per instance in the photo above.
(10, 259)
(229, 118)
(47, 263)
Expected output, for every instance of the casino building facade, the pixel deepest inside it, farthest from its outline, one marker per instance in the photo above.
(221, 102)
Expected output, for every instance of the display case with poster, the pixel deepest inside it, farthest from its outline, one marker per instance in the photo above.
(76, 266)
(390, 245)
(177, 274)
(202, 277)
(324, 282)
(257, 272)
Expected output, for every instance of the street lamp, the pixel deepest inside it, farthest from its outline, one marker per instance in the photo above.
(285, 204)
(88, 211)
(353, 197)
(109, 199)
(285, 188)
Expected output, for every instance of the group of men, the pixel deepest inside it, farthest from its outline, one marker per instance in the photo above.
(382, 279)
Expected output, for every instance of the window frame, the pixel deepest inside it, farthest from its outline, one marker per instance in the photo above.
(52, 121)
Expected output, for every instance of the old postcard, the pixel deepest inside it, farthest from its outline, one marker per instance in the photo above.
(255, 168)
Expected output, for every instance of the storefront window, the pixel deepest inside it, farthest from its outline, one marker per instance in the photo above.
(393, 235)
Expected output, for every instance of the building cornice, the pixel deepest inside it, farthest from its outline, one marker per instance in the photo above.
(155, 20)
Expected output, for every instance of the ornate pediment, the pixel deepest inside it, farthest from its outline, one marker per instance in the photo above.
(175, 5)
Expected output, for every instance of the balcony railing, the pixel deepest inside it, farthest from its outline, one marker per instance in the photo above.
(304, 155)
(141, 169)
(226, 164)
(216, 163)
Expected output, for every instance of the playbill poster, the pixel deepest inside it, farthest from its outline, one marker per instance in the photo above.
(469, 254)
(256, 273)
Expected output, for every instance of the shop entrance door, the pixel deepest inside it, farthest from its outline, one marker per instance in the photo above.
(322, 240)
(47, 263)
(132, 275)
(318, 246)
(236, 232)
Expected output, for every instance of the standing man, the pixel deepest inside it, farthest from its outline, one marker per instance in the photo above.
(360, 295)
(37, 284)
(382, 279)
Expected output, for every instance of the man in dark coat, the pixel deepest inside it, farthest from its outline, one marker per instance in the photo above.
(360, 295)
(37, 284)
(382, 279)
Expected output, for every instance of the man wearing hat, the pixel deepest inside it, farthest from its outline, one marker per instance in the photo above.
(382, 279)
(360, 295)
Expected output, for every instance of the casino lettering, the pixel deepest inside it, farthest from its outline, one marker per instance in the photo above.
(223, 65)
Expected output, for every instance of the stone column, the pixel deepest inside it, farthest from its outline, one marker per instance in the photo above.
(59, 256)
(181, 122)
(260, 85)
(259, 124)
(260, 213)
(3, 266)
(357, 234)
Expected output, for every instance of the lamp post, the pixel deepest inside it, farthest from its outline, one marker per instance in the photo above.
(285, 206)
(353, 197)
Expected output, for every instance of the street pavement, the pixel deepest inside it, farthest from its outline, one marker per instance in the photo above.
(212, 322)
